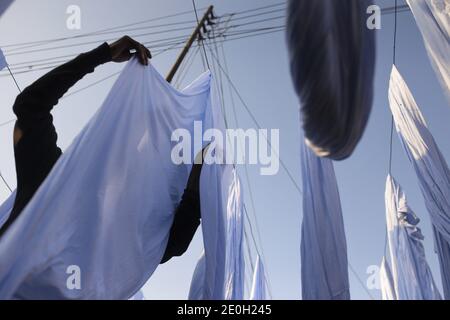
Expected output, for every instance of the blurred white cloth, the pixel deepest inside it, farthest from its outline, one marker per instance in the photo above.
(386, 282)
(4, 4)
(430, 166)
(3, 63)
(259, 284)
(406, 274)
(324, 265)
(107, 206)
(433, 20)
(219, 274)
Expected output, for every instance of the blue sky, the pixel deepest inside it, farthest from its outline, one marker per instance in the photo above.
(259, 68)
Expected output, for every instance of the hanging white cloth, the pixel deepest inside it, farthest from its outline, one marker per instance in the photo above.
(433, 20)
(259, 284)
(197, 288)
(138, 296)
(324, 265)
(429, 164)
(386, 282)
(235, 266)
(223, 260)
(411, 277)
(105, 210)
(4, 4)
(332, 57)
(3, 63)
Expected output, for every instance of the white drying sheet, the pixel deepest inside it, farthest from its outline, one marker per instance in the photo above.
(107, 206)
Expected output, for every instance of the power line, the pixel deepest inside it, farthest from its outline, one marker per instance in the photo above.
(19, 52)
(117, 28)
(225, 37)
(6, 183)
(188, 24)
(259, 8)
(201, 40)
(103, 30)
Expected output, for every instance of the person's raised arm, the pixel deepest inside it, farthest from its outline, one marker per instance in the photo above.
(37, 100)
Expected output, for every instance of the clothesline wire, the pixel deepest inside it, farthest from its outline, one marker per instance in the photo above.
(118, 29)
(108, 77)
(153, 43)
(384, 11)
(391, 137)
(393, 62)
(20, 50)
(186, 25)
(5, 182)
(137, 36)
(102, 31)
(201, 39)
(14, 78)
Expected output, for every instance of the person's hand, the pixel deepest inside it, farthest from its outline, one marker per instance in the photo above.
(120, 50)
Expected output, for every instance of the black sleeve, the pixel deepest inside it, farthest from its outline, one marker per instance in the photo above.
(36, 101)
(184, 226)
(36, 152)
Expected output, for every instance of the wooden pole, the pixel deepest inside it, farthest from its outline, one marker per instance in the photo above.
(189, 43)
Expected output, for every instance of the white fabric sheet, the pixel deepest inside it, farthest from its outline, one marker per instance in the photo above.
(429, 164)
(4, 4)
(107, 206)
(259, 284)
(324, 266)
(410, 273)
(386, 282)
(223, 259)
(2, 60)
(332, 59)
(433, 20)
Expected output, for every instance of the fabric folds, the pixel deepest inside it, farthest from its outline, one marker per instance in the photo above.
(332, 57)
(430, 166)
(324, 265)
(219, 274)
(407, 275)
(99, 224)
(259, 284)
(433, 19)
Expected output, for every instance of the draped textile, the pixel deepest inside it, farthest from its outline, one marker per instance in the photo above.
(324, 265)
(410, 276)
(332, 58)
(430, 166)
(433, 19)
(99, 224)
(259, 284)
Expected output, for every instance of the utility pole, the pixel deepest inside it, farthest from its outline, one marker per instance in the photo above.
(196, 34)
